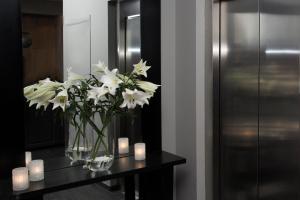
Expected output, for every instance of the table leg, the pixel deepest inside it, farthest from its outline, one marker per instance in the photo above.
(157, 185)
(129, 188)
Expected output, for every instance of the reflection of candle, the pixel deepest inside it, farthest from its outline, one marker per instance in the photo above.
(20, 179)
(36, 170)
(123, 145)
(27, 158)
(140, 151)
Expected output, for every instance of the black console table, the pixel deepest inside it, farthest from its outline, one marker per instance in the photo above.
(156, 177)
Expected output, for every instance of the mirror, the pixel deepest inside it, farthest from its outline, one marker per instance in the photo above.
(59, 34)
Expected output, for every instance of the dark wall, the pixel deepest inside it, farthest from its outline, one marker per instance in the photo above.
(146, 125)
(151, 51)
(11, 123)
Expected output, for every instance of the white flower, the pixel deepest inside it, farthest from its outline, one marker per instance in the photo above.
(73, 76)
(141, 68)
(96, 93)
(133, 98)
(111, 81)
(61, 100)
(32, 102)
(100, 68)
(45, 81)
(41, 93)
(29, 89)
(42, 101)
(41, 90)
(148, 86)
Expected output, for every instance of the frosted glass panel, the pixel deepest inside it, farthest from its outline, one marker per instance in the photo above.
(77, 45)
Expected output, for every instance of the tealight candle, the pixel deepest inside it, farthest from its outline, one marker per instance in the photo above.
(20, 179)
(36, 170)
(27, 158)
(123, 145)
(140, 151)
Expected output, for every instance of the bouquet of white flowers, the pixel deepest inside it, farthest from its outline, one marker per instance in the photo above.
(105, 92)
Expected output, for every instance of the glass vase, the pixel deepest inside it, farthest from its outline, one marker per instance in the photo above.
(80, 141)
(102, 154)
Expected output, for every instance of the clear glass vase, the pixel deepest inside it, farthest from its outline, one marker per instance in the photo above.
(80, 141)
(102, 154)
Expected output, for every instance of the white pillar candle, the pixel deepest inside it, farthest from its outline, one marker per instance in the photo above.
(27, 158)
(123, 145)
(140, 151)
(20, 179)
(36, 170)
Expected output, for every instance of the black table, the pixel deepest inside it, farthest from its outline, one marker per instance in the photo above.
(155, 177)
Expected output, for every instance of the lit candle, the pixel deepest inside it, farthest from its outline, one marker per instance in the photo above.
(27, 158)
(123, 145)
(36, 170)
(140, 151)
(20, 179)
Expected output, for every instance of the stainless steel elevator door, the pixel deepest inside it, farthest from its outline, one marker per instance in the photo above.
(239, 73)
(279, 131)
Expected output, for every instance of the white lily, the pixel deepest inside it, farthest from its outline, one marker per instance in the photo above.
(43, 101)
(29, 89)
(45, 81)
(111, 81)
(43, 89)
(61, 100)
(74, 76)
(42, 104)
(100, 68)
(133, 98)
(72, 79)
(141, 68)
(96, 93)
(148, 87)
(32, 102)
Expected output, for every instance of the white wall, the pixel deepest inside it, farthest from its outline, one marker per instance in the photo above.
(75, 10)
(187, 93)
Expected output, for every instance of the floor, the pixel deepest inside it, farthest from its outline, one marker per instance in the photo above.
(91, 192)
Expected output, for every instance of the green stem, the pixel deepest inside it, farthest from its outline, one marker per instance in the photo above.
(99, 133)
(99, 141)
(77, 137)
(94, 150)
(78, 141)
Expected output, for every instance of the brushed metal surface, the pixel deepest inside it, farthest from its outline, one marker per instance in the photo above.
(216, 97)
(239, 73)
(279, 130)
(257, 80)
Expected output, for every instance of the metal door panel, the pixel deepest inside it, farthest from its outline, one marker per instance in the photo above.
(279, 131)
(239, 73)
